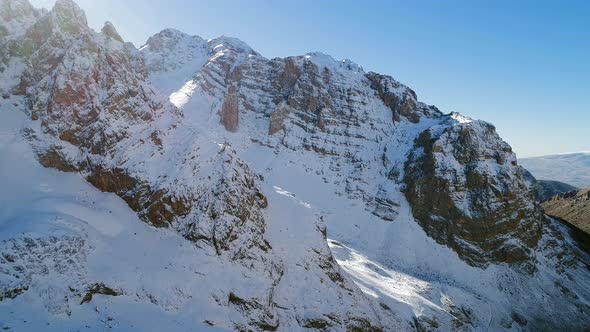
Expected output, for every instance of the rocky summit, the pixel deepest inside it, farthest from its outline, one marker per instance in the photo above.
(194, 184)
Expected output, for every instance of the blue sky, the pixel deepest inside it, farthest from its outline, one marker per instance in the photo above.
(522, 65)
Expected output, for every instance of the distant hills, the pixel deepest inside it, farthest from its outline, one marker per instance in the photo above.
(571, 168)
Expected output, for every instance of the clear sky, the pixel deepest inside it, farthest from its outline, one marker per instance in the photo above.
(522, 65)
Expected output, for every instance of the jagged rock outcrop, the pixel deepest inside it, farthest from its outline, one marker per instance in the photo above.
(229, 111)
(16, 17)
(79, 84)
(466, 191)
(401, 104)
(109, 30)
(277, 119)
(16, 10)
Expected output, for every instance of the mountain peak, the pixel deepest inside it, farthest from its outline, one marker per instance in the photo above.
(109, 30)
(169, 38)
(69, 16)
(67, 4)
(172, 33)
(230, 43)
(325, 60)
(15, 9)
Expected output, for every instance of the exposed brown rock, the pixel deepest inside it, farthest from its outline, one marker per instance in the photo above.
(289, 76)
(156, 139)
(408, 109)
(12, 293)
(53, 158)
(65, 98)
(99, 288)
(277, 119)
(404, 105)
(244, 204)
(498, 214)
(164, 208)
(155, 207)
(229, 111)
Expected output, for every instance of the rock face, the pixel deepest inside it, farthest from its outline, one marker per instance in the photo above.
(16, 17)
(403, 104)
(229, 111)
(79, 83)
(200, 137)
(466, 191)
(91, 92)
(91, 95)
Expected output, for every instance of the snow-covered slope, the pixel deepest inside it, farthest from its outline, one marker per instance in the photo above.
(62, 239)
(117, 133)
(191, 53)
(571, 168)
(336, 139)
(237, 164)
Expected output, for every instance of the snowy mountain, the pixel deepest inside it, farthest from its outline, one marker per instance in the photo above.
(194, 184)
(571, 168)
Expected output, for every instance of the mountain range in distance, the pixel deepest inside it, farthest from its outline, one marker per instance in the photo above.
(570, 168)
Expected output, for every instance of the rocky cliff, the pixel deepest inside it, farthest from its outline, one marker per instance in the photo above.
(468, 193)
